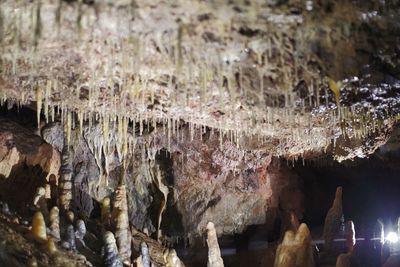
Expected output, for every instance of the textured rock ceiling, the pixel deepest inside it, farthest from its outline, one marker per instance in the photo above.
(290, 77)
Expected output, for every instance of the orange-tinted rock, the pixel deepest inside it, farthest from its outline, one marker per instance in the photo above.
(19, 146)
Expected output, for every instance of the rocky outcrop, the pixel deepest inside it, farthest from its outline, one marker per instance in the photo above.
(19, 146)
(25, 161)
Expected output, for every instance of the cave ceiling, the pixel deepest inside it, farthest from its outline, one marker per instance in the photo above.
(294, 78)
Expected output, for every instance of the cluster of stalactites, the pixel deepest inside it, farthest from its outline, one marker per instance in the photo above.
(126, 95)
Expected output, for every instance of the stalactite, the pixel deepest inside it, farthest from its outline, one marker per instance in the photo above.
(38, 105)
(54, 222)
(81, 119)
(65, 183)
(106, 127)
(46, 100)
(214, 253)
(38, 229)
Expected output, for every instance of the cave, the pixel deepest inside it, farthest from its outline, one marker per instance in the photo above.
(197, 133)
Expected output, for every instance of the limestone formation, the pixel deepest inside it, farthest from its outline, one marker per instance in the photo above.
(295, 249)
(51, 246)
(65, 182)
(70, 216)
(172, 259)
(110, 251)
(333, 220)
(120, 202)
(40, 193)
(80, 229)
(53, 190)
(214, 253)
(105, 212)
(145, 255)
(4, 208)
(40, 202)
(158, 253)
(123, 236)
(68, 241)
(158, 181)
(55, 222)
(343, 260)
(285, 253)
(350, 236)
(39, 227)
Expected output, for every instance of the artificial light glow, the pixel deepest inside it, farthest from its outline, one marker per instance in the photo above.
(392, 237)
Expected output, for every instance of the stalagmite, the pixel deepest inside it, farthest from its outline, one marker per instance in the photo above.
(39, 201)
(144, 251)
(120, 202)
(333, 220)
(80, 229)
(54, 222)
(4, 208)
(110, 251)
(39, 227)
(123, 236)
(344, 259)
(305, 257)
(214, 253)
(40, 192)
(105, 212)
(157, 251)
(172, 259)
(157, 178)
(295, 249)
(51, 246)
(65, 183)
(350, 235)
(69, 238)
(285, 256)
